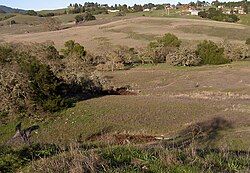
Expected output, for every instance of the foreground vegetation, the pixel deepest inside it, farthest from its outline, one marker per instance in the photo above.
(190, 151)
(48, 158)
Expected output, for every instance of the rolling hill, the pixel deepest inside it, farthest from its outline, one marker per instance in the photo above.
(5, 9)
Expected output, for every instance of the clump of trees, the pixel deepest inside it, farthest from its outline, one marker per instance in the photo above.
(36, 79)
(76, 8)
(93, 8)
(160, 48)
(218, 15)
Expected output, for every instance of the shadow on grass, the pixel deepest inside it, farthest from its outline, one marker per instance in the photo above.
(204, 133)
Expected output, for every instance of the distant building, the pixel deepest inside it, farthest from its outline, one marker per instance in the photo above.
(113, 11)
(194, 12)
(220, 7)
(146, 10)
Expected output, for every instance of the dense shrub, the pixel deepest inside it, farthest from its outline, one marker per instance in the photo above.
(210, 53)
(35, 79)
(248, 41)
(31, 13)
(72, 48)
(163, 46)
(47, 15)
(45, 86)
(52, 53)
(84, 17)
(183, 57)
(168, 40)
(88, 16)
(234, 51)
(79, 18)
(6, 54)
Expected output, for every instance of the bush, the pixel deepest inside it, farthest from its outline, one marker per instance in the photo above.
(79, 18)
(210, 53)
(163, 46)
(72, 48)
(29, 83)
(234, 52)
(45, 86)
(183, 57)
(84, 17)
(88, 16)
(6, 54)
(31, 13)
(52, 53)
(248, 41)
(168, 40)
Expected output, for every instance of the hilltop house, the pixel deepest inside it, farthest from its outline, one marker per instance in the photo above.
(146, 10)
(113, 11)
(194, 12)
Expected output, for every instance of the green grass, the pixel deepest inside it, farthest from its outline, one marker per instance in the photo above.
(134, 159)
(245, 19)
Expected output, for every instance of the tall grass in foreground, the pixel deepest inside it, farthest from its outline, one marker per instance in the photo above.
(131, 158)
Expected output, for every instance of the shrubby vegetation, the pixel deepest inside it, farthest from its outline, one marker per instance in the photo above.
(168, 49)
(183, 57)
(72, 48)
(12, 159)
(163, 46)
(31, 13)
(210, 53)
(234, 52)
(5, 17)
(47, 15)
(36, 78)
(50, 158)
(218, 15)
(248, 41)
(168, 40)
(84, 17)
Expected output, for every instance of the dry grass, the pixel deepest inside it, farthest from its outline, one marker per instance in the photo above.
(229, 33)
(73, 161)
(136, 32)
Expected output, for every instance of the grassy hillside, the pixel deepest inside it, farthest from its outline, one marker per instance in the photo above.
(168, 102)
(56, 11)
(245, 19)
(138, 31)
